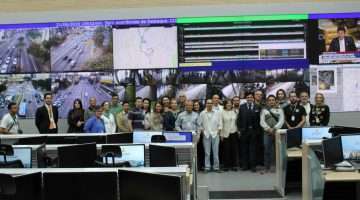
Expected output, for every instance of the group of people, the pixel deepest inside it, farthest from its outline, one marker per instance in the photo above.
(237, 135)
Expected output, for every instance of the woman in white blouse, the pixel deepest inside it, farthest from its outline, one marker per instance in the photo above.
(108, 118)
(271, 119)
(154, 120)
(229, 137)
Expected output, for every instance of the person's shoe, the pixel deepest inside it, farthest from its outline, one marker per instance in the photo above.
(217, 170)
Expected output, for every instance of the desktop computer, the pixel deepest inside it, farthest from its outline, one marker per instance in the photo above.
(132, 153)
(77, 156)
(24, 154)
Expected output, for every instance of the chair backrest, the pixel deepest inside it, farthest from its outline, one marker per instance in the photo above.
(158, 138)
(114, 150)
(7, 185)
(162, 156)
(6, 150)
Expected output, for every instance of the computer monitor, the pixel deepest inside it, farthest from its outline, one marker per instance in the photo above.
(118, 138)
(144, 137)
(341, 130)
(41, 156)
(293, 137)
(28, 186)
(162, 156)
(98, 139)
(133, 153)
(178, 137)
(21, 153)
(77, 156)
(315, 133)
(80, 185)
(350, 147)
(31, 140)
(139, 186)
(332, 151)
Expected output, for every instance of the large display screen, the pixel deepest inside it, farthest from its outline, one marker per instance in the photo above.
(351, 147)
(134, 154)
(145, 47)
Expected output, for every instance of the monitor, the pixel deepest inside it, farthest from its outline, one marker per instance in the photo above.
(332, 151)
(139, 186)
(21, 153)
(144, 137)
(178, 137)
(293, 137)
(162, 156)
(117, 138)
(350, 147)
(80, 185)
(31, 140)
(338, 130)
(28, 186)
(133, 153)
(77, 156)
(41, 156)
(316, 133)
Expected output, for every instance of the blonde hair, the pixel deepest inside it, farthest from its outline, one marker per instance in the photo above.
(322, 96)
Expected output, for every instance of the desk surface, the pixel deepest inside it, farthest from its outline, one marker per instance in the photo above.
(336, 176)
(294, 153)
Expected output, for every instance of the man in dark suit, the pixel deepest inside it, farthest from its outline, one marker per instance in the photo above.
(342, 43)
(248, 123)
(46, 117)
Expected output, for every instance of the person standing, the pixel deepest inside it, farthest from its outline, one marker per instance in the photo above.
(165, 102)
(259, 98)
(122, 119)
(154, 120)
(236, 104)
(146, 105)
(216, 103)
(182, 101)
(136, 116)
(115, 107)
(76, 118)
(10, 121)
(95, 124)
(46, 117)
(108, 118)
(271, 119)
(170, 116)
(320, 112)
(197, 106)
(295, 114)
(248, 123)
(229, 137)
(187, 120)
(304, 102)
(281, 98)
(91, 110)
(210, 125)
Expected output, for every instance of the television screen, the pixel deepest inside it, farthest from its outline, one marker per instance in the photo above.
(145, 47)
(155, 76)
(27, 90)
(81, 48)
(67, 87)
(309, 134)
(20, 153)
(144, 137)
(25, 50)
(285, 75)
(351, 147)
(133, 153)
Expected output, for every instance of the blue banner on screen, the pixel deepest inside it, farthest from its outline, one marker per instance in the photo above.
(178, 137)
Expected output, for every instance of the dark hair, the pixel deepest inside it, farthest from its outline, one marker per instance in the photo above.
(293, 92)
(249, 93)
(114, 94)
(341, 28)
(11, 104)
(78, 100)
(137, 98)
(47, 94)
(226, 102)
(125, 102)
(156, 103)
(280, 90)
(271, 96)
(103, 103)
(146, 99)
(97, 107)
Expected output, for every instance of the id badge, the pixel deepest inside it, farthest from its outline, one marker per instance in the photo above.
(293, 118)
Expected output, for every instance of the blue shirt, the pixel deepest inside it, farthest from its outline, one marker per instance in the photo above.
(94, 125)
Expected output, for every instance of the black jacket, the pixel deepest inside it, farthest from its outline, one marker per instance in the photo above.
(42, 120)
(248, 119)
(74, 117)
(349, 44)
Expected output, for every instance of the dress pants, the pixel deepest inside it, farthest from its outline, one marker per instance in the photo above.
(230, 153)
(248, 149)
(211, 143)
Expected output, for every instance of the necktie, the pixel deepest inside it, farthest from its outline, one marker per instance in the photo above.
(51, 117)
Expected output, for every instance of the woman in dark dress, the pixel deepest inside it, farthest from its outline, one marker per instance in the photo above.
(320, 112)
(76, 118)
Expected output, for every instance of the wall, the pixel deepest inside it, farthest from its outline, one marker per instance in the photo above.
(42, 11)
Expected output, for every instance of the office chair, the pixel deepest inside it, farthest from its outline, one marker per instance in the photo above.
(7, 150)
(158, 139)
(7, 187)
(111, 151)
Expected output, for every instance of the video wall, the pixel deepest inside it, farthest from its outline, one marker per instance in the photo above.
(152, 58)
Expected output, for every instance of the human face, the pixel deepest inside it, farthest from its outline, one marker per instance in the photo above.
(209, 105)
(250, 98)
(280, 95)
(92, 102)
(228, 105)
(158, 108)
(138, 103)
(77, 105)
(293, 98)
(258, 96)
(271, 102)
(197, 106)
(48, 99)
(188, 106)
(304, 97)
(98, 112)
(319, 99)
(173, 104)
(215, 99)
(236, 102)
(114, 100)
(106, 106)
(14, 109)
(166, 101)
(146, 105)
(182, 99)
(341, 34)
(126, 107)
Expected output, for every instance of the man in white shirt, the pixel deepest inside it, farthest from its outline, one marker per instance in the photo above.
(10, 122)
(216, 103)
(210, 125)
(304, 102)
